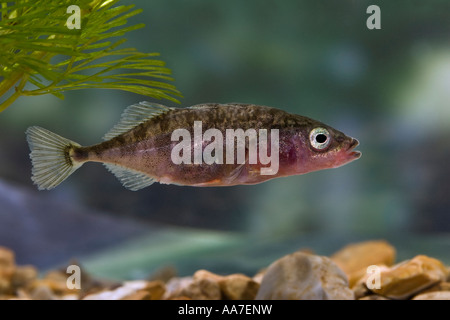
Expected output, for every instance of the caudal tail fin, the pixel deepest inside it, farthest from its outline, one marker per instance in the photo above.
(51, 157)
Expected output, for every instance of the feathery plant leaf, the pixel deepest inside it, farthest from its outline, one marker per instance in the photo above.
(38, 47)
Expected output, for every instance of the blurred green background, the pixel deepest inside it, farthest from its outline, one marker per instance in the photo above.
(388, 88)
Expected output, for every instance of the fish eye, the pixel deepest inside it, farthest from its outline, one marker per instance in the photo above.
(319, 138)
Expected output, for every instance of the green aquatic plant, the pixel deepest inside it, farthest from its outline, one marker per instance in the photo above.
(39, 46)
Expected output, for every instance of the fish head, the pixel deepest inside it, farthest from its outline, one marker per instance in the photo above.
(323, 147)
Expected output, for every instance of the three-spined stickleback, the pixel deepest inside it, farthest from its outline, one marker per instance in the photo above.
(204, 145)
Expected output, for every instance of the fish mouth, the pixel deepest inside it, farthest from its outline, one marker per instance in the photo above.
(353, 144)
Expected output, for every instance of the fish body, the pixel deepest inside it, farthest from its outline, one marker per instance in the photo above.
(139, 150)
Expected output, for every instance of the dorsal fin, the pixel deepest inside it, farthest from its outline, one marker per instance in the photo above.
(134, 115)
(201, 106)
(131, 179)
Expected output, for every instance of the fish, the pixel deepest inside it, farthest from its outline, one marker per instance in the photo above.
(151, 143)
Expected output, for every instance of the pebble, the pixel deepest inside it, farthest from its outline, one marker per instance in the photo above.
(436, 295)
(259, 276)
(42, 292)
(199, 287)
(207, 285)
(411, 277)
(156, 289)
(441, 286)
(138, 295)
(128, 288)
(176, 286)
(444, 286)
(301, 276)
(373, 297)
(24, 277)
(354, 259)
(298, 276)
(132, 290)
(7, 268)
(238, 287)
(6, 260)
(206, 275)
(56, 285)
(360, 287)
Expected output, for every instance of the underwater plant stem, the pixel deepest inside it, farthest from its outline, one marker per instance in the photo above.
(7, 84)
(9, 101)
(17, 93)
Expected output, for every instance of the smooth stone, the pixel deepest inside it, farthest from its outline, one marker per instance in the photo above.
(232, 287)
(259, 276)
(411, 277)
(354, 259)
(42, 292)
(138, 295)
(238, 287)
(57, 281)
(360, 288)
(199, 288)
(156, 289)
(24, 277)
(373, 297)
(301, 276)
(176, 286)
(128, 288)
(7, 269)
(205, 274)
(6, 260)
(205, 289)
(436, 295)
(441, 286)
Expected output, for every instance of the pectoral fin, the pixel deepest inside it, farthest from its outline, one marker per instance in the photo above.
(236, 172)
